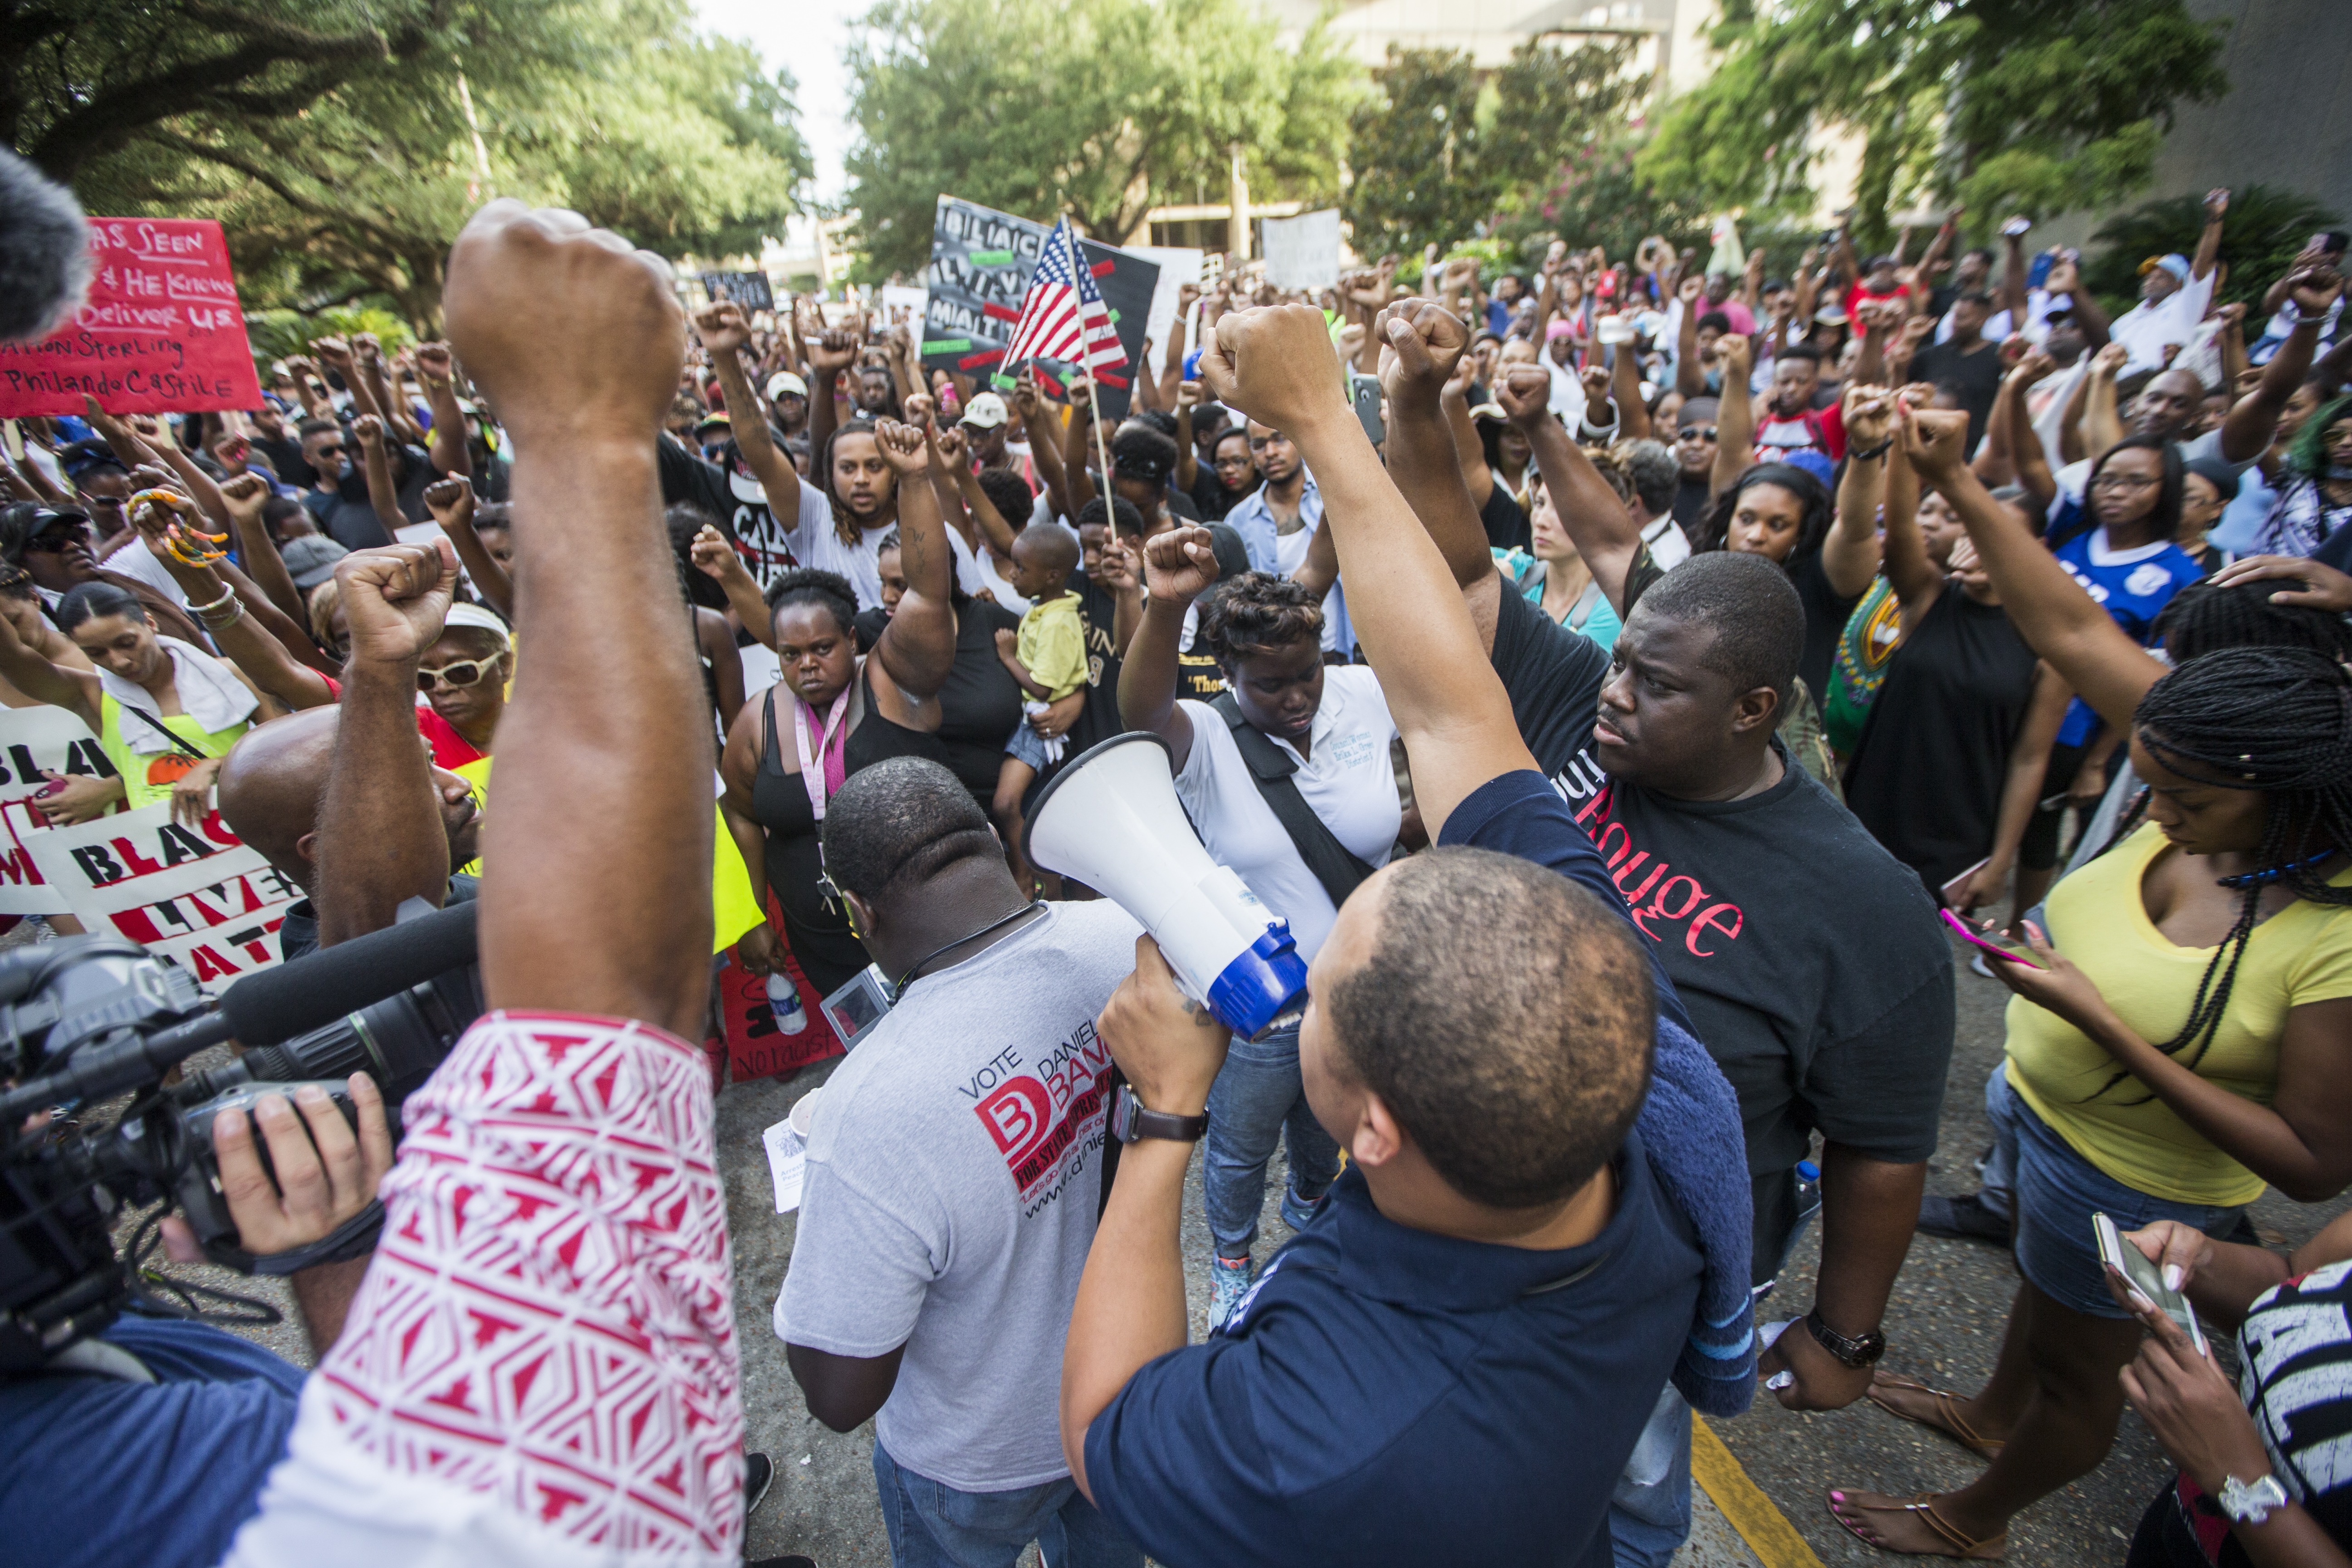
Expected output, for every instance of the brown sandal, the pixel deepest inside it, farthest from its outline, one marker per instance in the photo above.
(1988, 1550)
(1949, 1420)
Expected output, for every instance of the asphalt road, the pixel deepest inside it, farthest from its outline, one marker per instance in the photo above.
(1943, 1328)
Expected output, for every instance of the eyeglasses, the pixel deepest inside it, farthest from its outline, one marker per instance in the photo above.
(2124, 482)
(464, 673)
(58, 541)
(1698, 433)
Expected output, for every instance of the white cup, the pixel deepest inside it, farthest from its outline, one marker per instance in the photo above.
(803, 1109)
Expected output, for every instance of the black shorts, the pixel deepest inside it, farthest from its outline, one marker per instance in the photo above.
(2038, 850)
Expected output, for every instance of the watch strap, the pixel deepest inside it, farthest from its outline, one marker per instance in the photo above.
(1863, 1350)
(1131, 1121)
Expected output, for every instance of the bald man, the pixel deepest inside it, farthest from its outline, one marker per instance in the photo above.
(271, 787)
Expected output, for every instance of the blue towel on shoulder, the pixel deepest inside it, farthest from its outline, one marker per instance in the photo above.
(1690, 1124)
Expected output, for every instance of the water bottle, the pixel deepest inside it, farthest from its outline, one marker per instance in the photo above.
(784, 1001)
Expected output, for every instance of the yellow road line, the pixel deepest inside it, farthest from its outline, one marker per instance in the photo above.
(1761, 1523)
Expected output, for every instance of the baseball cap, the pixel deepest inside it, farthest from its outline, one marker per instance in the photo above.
(1814, 461)
(310, 559)
(716, 416)
(986, 412)
(784, 383)
(2176, 264)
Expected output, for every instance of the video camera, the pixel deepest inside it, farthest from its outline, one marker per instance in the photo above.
(85, 1018)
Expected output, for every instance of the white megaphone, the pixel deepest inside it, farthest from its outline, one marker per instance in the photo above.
(1111, 819)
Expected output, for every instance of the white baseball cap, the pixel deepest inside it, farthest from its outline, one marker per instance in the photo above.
(986, 411)
(786, 384)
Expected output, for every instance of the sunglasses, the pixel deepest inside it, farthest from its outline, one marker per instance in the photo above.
(464, 673)
(58, 541)
(334, 449)
(1696, 433)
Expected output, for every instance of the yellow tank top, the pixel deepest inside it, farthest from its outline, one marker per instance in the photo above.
(148, 776)
(732, 908)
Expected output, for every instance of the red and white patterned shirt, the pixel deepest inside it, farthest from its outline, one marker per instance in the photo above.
(542, 1360)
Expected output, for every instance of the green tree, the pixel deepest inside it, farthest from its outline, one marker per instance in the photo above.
(1437, 154)
(1102, 107)
(617, 107)
(2007, 105)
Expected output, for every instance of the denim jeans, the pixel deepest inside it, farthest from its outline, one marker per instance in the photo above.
(2052, 1193)
(932, 1525)
(1255, 1102)
(1650, 1513)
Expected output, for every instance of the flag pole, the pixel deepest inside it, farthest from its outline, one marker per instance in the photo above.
(1094, 402)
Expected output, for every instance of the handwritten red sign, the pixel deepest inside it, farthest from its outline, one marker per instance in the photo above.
(161, 332)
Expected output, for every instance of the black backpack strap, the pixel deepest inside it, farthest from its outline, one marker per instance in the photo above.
(1334, 865)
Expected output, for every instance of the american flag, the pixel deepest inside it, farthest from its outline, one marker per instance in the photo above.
(1061, 317)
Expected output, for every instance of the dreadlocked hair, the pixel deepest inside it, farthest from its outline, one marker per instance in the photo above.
(1256, 611)
(1715, 528)
(845, 527)
(2274, 719)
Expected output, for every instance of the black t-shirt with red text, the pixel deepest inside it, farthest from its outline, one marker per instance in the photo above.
(1810, 960)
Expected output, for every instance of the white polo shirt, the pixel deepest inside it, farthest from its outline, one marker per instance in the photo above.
(1346, 779)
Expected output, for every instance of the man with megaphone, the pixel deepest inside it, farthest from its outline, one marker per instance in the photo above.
(1545, 1214)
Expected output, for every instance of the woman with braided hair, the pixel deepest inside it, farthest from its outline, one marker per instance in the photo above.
(2175, 1044)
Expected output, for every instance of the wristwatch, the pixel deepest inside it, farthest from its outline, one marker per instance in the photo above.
(1856, 1352)
(2251, 1504)
(1130, 1120)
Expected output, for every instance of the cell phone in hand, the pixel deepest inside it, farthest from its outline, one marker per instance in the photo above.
(1365, 391)
(1999, 947)
(2144, 1277)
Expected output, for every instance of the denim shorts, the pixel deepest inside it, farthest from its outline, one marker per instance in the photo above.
(2055, 1194)
(1027, 745)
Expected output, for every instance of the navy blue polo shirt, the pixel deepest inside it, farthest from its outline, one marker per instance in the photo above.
(1385, 1394)
(1391, 1395)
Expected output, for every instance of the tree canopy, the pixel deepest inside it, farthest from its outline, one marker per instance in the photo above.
(1104, 108)
(2006, 105)
(1435, 155)
(342, 163)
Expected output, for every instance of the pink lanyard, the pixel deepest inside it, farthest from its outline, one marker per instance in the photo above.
(812, 777)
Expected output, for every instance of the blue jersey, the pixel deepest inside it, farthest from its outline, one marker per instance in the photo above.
(2133, 586)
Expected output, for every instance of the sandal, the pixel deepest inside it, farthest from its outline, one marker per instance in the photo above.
(1988, 1550)
(1948, 1421)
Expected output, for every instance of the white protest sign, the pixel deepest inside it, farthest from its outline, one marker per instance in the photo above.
(31, 740)
(1303, 252)
(195, 897)
(1177, 267)
(897, 297)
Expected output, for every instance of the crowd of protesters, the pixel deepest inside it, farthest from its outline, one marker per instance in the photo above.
(1621, 717)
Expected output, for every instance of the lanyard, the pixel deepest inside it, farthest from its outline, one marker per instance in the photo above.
(813, 769)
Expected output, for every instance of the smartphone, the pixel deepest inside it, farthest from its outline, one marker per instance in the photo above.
(2145, 1278)
(1948, 894)
(2015, 226)
(1999, 947)
(1365, 390)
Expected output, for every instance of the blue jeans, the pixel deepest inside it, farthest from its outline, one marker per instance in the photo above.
(1256, 1100)
(1650, 1513)
(932, 1525)
(2053, 1192)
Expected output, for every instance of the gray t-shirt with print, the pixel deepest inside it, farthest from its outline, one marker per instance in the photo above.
(953, 1170)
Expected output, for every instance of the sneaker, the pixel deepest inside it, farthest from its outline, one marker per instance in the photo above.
(1299, 1213)
(1977, 965)
(1962, 1218)
(1229, 1281)
(758, 1476)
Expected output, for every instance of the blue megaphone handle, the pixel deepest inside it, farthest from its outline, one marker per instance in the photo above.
(1254, 989)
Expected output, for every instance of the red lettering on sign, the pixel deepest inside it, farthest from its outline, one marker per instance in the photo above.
(140, 865)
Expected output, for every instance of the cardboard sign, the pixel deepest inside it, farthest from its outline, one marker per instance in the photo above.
(33, 739)
(193, 896)
(1303, 252)
(749, 289)
(981, 264)
(161, 332)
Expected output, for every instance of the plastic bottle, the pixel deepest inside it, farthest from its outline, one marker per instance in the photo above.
(784, 1001)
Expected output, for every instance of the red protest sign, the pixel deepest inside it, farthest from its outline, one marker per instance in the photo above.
(161, 332)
